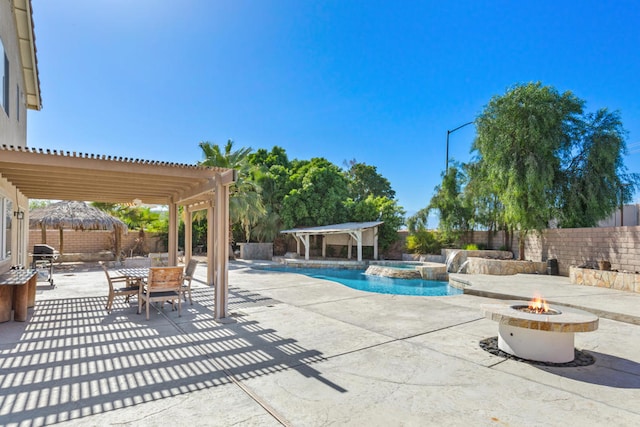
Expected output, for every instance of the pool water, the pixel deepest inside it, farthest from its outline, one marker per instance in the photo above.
(356, 279)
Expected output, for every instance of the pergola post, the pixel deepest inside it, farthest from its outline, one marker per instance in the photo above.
(173, 234)
(187, 217)
(221, 236)
(211, 244)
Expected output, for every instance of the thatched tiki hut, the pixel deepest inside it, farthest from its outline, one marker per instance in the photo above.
(75, 216)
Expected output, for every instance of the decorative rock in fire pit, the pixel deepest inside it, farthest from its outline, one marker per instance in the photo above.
(535, 331)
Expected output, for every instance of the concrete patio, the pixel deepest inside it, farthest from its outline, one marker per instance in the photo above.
(307, 352)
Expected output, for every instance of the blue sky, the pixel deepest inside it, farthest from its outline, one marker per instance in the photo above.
(376, 81)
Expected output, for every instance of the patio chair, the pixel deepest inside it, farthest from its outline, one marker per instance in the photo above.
(119, 286)
(188, 275)
(164, 284)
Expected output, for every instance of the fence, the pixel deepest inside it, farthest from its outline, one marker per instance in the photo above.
(95, 241)
(573, 246)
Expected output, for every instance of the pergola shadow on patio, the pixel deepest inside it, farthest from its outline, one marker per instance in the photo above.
(72, 359)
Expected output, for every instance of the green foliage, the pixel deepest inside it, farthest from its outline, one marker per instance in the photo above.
(540, 158)
(300, 193)
(276, 157)
(456, 215)
(364, 180)
(245, 202)
(471, 247)
(319, 188)
(595, 174)
(521, 139)
(424, 242)
(37, 204)
(378, 209)
(418, 221)
(137, 217)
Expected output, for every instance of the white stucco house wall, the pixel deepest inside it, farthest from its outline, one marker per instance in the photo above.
(19, 91)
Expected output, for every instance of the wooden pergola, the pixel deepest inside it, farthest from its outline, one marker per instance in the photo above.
(56, 175)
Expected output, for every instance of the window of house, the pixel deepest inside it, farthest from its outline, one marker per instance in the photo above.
(4, 71)
(6, 207)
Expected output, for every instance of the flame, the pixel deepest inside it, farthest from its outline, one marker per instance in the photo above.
(538, 305)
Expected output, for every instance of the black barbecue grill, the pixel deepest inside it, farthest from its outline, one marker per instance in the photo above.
(43, 257)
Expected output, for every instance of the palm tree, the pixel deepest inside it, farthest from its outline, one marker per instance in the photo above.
(245, 202)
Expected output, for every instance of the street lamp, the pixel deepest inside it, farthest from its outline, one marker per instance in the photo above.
(446, 166)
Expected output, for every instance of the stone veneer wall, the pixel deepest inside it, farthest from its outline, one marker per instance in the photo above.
(574, 246)
(499, 267)
(605, 279)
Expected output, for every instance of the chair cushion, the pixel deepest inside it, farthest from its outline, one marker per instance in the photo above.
(164, 294)
(128, 289)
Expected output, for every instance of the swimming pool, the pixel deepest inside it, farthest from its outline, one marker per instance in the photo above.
(356, 279)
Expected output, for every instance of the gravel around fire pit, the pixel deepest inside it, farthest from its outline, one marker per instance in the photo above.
(581, 358)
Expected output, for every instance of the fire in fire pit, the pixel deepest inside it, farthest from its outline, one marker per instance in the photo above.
(537, 305)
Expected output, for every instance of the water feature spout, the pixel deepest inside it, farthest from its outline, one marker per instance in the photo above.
(450, 258)
(463, 267)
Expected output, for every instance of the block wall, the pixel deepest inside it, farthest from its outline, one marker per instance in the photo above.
(92, 241)
(576, 246)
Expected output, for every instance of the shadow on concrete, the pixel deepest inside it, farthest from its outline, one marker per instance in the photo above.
(608, 370)
(72, 359)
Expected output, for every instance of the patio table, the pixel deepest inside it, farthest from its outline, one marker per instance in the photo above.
(17, 293)
(136, 274)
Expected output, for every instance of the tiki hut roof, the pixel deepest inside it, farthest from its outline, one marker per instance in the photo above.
(73, 215)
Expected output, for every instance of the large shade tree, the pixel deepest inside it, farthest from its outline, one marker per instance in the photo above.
(364, 181)
(544, 158)
(319, 189)
(595, 179)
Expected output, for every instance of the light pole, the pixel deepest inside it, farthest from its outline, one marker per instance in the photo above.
(446, 166)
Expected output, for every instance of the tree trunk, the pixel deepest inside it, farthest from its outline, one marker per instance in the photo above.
(521, 237)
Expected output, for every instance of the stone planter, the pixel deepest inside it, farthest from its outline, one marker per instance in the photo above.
(621, 281)
(499, 267)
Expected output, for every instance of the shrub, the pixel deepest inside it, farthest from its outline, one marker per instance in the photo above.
(424, 242)
(471, 247)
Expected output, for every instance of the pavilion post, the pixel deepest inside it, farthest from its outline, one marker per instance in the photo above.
(375, 243)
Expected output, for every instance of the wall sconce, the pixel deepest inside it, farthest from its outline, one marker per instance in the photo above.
(19, 215)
